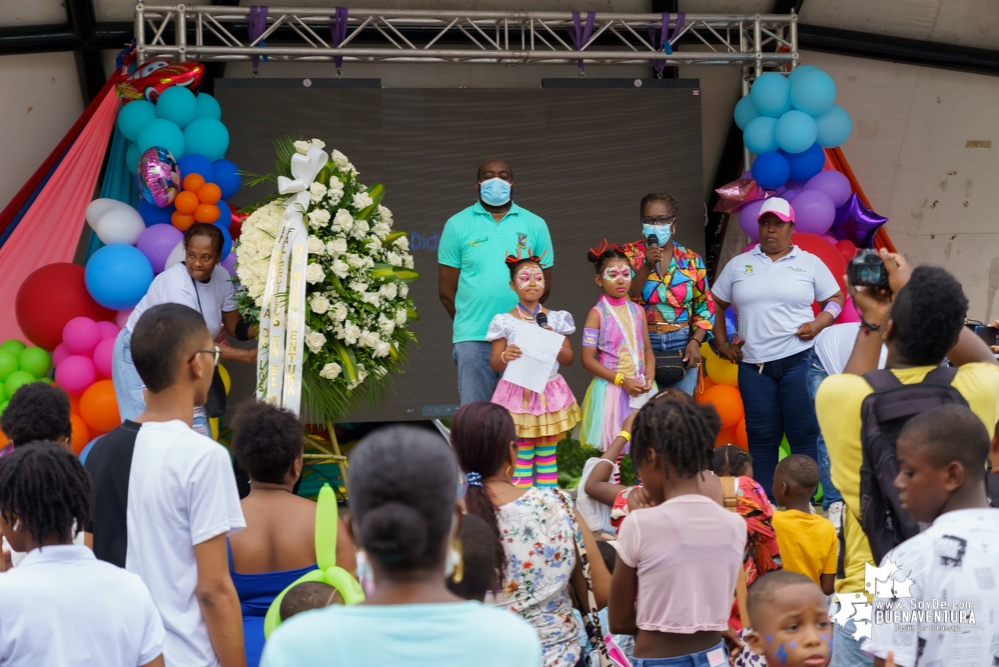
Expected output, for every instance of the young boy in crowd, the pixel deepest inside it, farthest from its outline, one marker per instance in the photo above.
(807, 541)
(478, 560)
(36, 412)
(790, 618)
(308, 595)
(936, 600)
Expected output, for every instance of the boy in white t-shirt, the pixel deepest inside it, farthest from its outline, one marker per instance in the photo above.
(935, 596)
(166, 496)
(62, 606)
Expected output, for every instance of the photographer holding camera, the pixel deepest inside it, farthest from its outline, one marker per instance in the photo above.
(920, 318)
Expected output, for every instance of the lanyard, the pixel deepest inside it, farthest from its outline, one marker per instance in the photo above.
(194, 283)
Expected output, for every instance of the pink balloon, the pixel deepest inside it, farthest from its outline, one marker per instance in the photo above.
(229, 264)
(849, 313)
(103, 354)
(59, 354)
(747, 218)
(834, 184)
(108, 330)
(814, 212)
(122, 317)
(80, 336)
(75, 373)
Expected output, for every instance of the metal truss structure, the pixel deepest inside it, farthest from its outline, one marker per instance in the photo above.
(215, 33)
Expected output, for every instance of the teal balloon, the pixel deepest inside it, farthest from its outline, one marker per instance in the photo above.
(759, 135)
(16, 380)
(163, 134)
(13, 346)
(8, 364)
(795, 131)
(132, 157)
(177, 105)
(207, 137)
(208, 107)
(134, 116)
(813, 92)
(34, 360)
(771, 94)
(745, 111)
(799, 71)
(834, 127)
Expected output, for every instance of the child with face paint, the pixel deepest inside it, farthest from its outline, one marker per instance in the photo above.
(790, 618)
(616, 349)
(541, 420)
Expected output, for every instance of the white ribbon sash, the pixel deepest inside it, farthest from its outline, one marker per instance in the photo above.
(282, 316)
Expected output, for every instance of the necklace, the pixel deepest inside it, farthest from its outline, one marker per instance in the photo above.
(526, 314)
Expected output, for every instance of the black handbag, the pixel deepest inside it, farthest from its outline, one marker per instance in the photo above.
(215, 405)
(670, 367)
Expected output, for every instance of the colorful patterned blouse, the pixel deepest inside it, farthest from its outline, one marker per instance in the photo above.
(684, 297)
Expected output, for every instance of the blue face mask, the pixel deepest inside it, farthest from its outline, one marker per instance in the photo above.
(495, 191)
(662, 232)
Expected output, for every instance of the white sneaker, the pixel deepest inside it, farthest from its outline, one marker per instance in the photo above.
(835, 514)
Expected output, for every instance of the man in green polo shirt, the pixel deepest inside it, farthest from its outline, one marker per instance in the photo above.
(474, 280)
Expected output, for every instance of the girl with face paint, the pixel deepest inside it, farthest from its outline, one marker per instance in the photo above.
(541, 420)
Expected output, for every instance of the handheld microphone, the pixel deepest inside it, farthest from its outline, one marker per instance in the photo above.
(541, 319)
(653, 242)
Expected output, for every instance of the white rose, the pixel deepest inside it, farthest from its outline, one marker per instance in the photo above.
(316, 245)
(318, 143)
(382, 349)
(403, 290)
(360, 229)
(385, 325)
(402, 243)
(342, 220)
(374, 243)
(330, 371)
(407, 261)
(362, 200)
(393, 258)
(339, 158)
(401, 317)
(314, 274)
(372, 298)
(351, 333)
(339, 312)
(385, 214)
(368, 339)
(316, 192)
(381, 230)
(388, 291)
(302, 147)
(355, 261)
(340, 268)
(319, 304)
(336, 247)
(358, 286)
(316, 341)
(369, 263)
(319, 218)
(335, 192)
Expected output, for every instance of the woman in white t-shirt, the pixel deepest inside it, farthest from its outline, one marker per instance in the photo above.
(201, 284)
(773, 287)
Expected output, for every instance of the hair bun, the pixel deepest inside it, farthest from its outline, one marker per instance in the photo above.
(591, 257)
(394, 533)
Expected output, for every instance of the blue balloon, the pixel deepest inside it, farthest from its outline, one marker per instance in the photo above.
(226, 240)
(834, 127)
(745, 111)
(226, 177)
(813, 92)
(197, 164)
(225, 215)
(795, 131)
(117, 276)
(731, 323)
(806, 164)
(798, 71)
(770, 170)
(208, 137)
(759, 135)
(208, 107)
(164, 134)
(132, 157)
(177, 105)
(134, 116)
(86, 450)
(153, 214)
(771, 94)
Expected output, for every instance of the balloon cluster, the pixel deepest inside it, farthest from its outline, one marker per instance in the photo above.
(787, 121)
(720, 389)
(21, 365)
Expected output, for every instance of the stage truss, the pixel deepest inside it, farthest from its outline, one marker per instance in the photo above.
(754, 42)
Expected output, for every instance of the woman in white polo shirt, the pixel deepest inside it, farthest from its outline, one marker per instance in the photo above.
(773, 286)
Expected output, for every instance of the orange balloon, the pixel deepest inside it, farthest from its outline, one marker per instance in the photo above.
(727, 436)
(193, 182)
(181, 221)
(706, 383)
(742, 438)
(209, 193)
(207, 213)
(727, 401)
(81, 433)
(74, 403)
(186, 202)
(99, 407)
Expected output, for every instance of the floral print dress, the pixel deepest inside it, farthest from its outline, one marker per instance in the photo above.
(540, 549)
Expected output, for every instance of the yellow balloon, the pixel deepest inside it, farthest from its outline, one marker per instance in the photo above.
(213, 423)
(226, 382)
(722, 371)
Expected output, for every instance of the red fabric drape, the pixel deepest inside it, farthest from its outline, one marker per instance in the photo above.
(839, 163)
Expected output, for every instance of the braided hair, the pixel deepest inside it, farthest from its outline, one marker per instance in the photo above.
(682, 434)
(730, 461)
(481, 433)
(45, 488)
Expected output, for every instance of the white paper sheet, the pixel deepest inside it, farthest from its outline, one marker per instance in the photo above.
(636, 402)
(540, 350)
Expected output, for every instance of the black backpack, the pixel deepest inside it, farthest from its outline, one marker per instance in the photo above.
(883, 414)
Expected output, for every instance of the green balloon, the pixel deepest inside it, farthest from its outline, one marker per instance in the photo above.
(3, 406)
(16, 380)
(34, 360)
(8, 363)
(13, 346)
(46, 380)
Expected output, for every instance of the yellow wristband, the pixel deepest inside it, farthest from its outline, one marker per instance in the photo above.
(619, 379)
(624, 434)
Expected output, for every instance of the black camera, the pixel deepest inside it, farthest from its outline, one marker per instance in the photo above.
(867, 269)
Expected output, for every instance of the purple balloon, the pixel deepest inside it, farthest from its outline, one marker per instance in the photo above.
(158, 176)
(833, 183)
(156, 243)
(814, 212)
(229, 264)
(747, 218)
(855, 222)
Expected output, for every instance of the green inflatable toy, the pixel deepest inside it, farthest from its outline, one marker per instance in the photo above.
(329, 572)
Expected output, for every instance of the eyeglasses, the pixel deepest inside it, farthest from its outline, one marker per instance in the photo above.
(217, 353)
(661, 220)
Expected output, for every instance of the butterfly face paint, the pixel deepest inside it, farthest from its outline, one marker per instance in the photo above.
(616, 272)
(530, 274)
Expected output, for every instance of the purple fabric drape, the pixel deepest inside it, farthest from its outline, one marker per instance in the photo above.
(256, 25)
(338, 32)
(581, 35)
(665, 37)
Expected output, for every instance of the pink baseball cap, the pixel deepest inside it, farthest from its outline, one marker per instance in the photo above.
(779, 207)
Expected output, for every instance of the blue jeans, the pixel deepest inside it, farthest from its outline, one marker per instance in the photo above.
(476, 379)
(699, 659)
(672, 342)
(816, 374)
(128, 386)
(775, 396)
(846, 650)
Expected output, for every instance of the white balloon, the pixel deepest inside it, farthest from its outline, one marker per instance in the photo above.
(176, 256)
(120, 225)
(99, 207)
